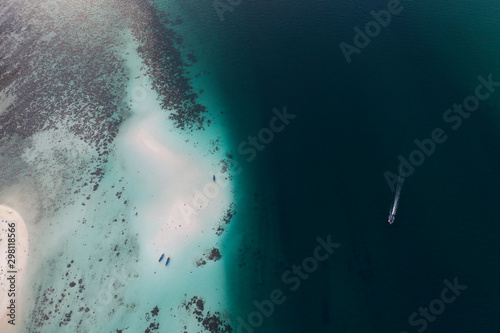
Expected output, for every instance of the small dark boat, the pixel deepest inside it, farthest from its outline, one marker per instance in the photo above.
(168, 260)
(161, 257)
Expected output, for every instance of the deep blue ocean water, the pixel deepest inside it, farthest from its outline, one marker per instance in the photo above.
(324, 173)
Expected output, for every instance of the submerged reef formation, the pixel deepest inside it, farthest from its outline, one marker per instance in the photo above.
(63, 98)
(211, 322)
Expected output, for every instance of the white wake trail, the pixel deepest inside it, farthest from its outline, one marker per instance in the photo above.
(399, 186)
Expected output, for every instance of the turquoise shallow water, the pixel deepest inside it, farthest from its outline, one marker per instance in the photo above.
(326, 169)
(103, 155)
(322, 175)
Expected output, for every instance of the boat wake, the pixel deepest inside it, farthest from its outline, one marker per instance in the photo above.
(399, 186)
